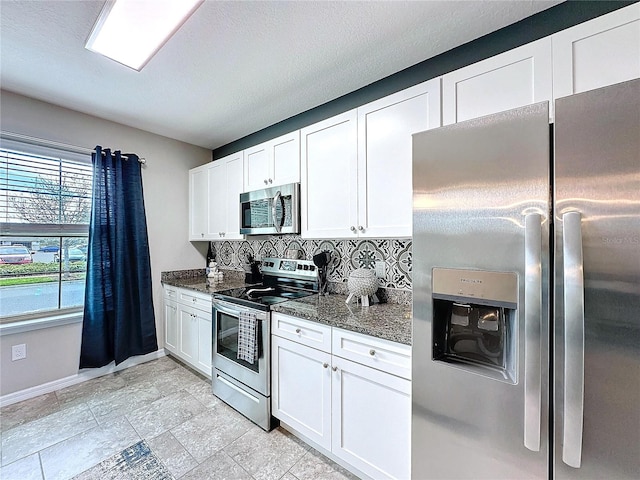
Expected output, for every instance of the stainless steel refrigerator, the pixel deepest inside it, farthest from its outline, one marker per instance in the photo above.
(526, 292)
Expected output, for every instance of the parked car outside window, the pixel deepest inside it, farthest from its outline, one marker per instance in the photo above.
(75, 255)
(16, 254)
(50, 248)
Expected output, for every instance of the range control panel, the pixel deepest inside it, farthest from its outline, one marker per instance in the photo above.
(285, 267)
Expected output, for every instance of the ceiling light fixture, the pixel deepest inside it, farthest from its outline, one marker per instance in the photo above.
(132, 31)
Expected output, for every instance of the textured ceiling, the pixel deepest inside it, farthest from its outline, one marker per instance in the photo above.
(234, 67)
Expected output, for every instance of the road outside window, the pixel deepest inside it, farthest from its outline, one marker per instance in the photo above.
(45, 205)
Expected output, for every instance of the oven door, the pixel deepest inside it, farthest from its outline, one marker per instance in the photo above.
(225, 347)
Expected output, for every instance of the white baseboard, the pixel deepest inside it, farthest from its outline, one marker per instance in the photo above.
(82, 376)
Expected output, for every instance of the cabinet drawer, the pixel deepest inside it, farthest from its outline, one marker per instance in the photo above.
(197, 300)
(391, 357)
(170, 293)
(305, 332)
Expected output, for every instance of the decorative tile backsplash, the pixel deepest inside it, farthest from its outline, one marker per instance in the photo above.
(347, 255)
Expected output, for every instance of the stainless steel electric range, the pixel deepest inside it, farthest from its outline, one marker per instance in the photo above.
(246, 385)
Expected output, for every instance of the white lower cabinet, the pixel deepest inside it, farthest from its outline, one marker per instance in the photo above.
(301, 389)
(170, 308)
(187, 321)
(371, 419)
(360, 414)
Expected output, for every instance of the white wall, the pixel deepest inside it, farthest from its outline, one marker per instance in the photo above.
(53, 353)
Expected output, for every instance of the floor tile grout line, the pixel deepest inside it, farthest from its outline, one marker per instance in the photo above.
(236, 463)
(55, 443)
(41, 466)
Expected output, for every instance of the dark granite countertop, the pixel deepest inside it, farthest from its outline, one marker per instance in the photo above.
(385, 320)
(389, 321)
(199, 284)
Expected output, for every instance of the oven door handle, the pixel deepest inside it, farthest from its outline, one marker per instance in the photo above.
(234, 310)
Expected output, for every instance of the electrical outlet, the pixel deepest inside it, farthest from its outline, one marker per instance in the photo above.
(380, 269)
(18, 352)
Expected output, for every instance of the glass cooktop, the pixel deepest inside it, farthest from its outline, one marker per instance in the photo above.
(260, 296)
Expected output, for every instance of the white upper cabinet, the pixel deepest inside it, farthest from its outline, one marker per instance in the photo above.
(329, 196)
(225, 186)
(384, 157)
(519, 77)
(214, 199)
(356, 167)
(597, 53)
(276, 162)
(198, 203)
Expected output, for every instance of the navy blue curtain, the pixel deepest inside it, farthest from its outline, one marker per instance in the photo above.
(119, 320)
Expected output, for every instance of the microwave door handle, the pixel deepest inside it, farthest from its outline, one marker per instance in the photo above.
(274, 204)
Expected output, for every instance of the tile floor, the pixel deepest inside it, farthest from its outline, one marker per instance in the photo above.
(61, 434)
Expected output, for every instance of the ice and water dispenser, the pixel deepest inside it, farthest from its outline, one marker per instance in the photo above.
(475, 322)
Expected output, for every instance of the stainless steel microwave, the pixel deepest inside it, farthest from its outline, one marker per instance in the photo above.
(273, 210)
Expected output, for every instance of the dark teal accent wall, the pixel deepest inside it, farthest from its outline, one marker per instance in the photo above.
(540, 25)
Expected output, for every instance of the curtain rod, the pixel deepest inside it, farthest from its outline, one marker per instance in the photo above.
(59, 146)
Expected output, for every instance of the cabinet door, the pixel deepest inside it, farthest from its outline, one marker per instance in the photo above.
(188, 334)
(285, 159)
(371, 420)
(597, 53)
(170, 325)
(301, 389)
(385, 157)
(204, 342)
(217, 207)
(329, 197)
(256, 167)
(519, 77)
(234, 174)
(198, 203)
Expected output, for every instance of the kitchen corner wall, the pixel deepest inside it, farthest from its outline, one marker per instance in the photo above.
(348, 255)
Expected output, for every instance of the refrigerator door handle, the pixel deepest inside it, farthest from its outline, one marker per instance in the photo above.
(573, 339)
(532, 331)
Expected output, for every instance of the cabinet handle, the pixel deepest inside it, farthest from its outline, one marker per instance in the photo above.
(202, 234)
(298, 330)
(361, 228)
(335, 369)
(372, 352)
(353, 229)
(325, 365)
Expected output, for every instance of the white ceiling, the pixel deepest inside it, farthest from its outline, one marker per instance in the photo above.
(234, 67)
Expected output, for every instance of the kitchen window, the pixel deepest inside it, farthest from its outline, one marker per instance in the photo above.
(45, 204)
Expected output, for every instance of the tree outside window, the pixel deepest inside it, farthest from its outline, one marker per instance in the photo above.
(45, 204)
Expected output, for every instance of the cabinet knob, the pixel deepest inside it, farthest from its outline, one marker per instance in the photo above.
(298, 330)
(265, 181)
(202, 234)
(353, 229)
(372, 352)
(361, 228)
(335, 369)
(195, 300)
(270, 181)
(325, 365)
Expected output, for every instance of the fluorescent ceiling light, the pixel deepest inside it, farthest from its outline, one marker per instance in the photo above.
(132, 31)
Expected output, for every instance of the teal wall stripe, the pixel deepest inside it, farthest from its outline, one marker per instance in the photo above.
(540, 25)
